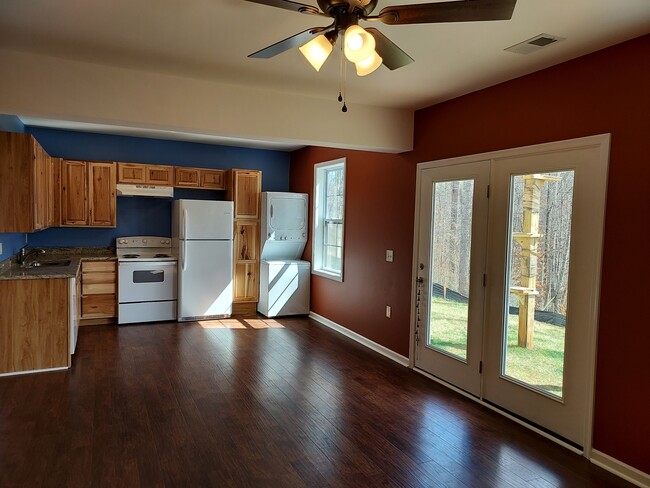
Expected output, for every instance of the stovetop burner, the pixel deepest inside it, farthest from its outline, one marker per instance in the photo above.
(144, 248)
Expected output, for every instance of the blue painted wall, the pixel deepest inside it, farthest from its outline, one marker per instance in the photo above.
(11, 242)
(149, 216)
(11, 123)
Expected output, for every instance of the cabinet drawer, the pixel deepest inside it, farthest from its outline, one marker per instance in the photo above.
(99, 278)
(97, 288)
(98, 306)
(98, 266)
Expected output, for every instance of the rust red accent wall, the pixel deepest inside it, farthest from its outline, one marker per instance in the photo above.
(379, 206)
(607, 91)
(604, 92)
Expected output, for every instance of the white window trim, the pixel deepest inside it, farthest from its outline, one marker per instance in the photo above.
(317, 227)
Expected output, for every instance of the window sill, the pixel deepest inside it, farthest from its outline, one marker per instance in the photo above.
(328, 274)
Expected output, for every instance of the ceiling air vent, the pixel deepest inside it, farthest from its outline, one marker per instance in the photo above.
(534, 44)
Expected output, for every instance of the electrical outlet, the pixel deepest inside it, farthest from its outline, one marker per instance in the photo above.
(389, 255)
(388, 311)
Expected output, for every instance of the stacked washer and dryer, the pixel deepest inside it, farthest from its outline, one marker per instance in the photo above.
(284, 278)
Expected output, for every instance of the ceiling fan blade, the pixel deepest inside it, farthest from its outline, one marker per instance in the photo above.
(288, 43)
(393, 57)
(458, 11)
(289, 5)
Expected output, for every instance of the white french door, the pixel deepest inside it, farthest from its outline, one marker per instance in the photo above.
(451, 264)
(531, 322)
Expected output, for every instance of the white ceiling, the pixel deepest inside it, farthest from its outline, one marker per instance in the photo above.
(210, 39)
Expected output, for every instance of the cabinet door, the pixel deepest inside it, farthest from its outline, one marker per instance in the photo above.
(160, 175)
(54, 182)
(213, 179)
(131, 173)
(247, 186)
(246, 282)
(74, 194)
(186, 177)
(41, 189)
(101, 194)
(246, 240)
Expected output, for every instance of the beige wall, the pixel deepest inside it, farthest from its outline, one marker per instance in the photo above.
(52, 88)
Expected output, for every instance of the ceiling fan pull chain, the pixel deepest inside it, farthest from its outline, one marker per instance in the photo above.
(344, 66)
(340, 99)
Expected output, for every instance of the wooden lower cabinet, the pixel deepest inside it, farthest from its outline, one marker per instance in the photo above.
(34, 327)
(98, 290)
(246, 281)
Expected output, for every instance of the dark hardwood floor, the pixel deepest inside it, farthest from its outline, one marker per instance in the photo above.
(281, 403)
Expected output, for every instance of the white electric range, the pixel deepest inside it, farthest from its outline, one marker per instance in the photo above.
(147, 283)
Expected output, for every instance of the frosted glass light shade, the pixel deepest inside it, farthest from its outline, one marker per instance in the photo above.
(359, 43)
(316, 51)
(368, 65)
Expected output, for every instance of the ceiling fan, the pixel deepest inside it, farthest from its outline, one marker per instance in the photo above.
(369, 48)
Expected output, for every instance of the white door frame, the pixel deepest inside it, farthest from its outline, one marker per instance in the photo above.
(602, 141)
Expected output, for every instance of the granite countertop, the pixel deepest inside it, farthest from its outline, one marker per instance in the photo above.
(12, 271)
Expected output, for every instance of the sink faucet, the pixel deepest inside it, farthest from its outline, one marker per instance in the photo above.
(24, 254)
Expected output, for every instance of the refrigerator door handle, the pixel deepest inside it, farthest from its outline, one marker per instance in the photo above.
(184, 235)
(184, 256)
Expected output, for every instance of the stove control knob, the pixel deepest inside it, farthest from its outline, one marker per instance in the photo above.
(144, 241)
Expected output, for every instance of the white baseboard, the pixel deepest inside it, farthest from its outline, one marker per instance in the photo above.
(384, 351)
(32, 371)
(620, 469)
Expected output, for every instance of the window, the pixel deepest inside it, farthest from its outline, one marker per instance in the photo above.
(329, 204)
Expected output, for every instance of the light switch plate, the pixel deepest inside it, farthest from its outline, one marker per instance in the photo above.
(389, 255)
(389, 311)
(0, 247)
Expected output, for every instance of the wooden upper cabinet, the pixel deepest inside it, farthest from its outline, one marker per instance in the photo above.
(88, 194)
(74, 193)
(213, 179)
(160, 175)
(131, 173)
(101, 195)
(244, 188)
(187, 177)
(27, 184)
(150, 174)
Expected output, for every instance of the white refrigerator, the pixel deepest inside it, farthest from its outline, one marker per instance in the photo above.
(202, 231)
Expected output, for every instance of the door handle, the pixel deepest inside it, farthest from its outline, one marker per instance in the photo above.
(184, 257)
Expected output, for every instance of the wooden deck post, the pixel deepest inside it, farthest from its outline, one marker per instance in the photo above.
(529, 240)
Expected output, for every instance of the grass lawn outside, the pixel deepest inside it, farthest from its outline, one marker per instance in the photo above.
(541, 367)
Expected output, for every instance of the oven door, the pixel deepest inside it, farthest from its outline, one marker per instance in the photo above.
(146, 281)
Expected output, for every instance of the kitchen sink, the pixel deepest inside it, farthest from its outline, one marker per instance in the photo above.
(47, 264)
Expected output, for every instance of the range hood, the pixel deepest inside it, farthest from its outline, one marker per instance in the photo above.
(145, 191)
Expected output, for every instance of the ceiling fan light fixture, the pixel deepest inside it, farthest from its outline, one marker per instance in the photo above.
(317, 51)
(368, 65)
(359, 43)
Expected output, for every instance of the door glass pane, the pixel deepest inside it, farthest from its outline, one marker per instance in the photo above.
(450, 259)
(540, 241)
